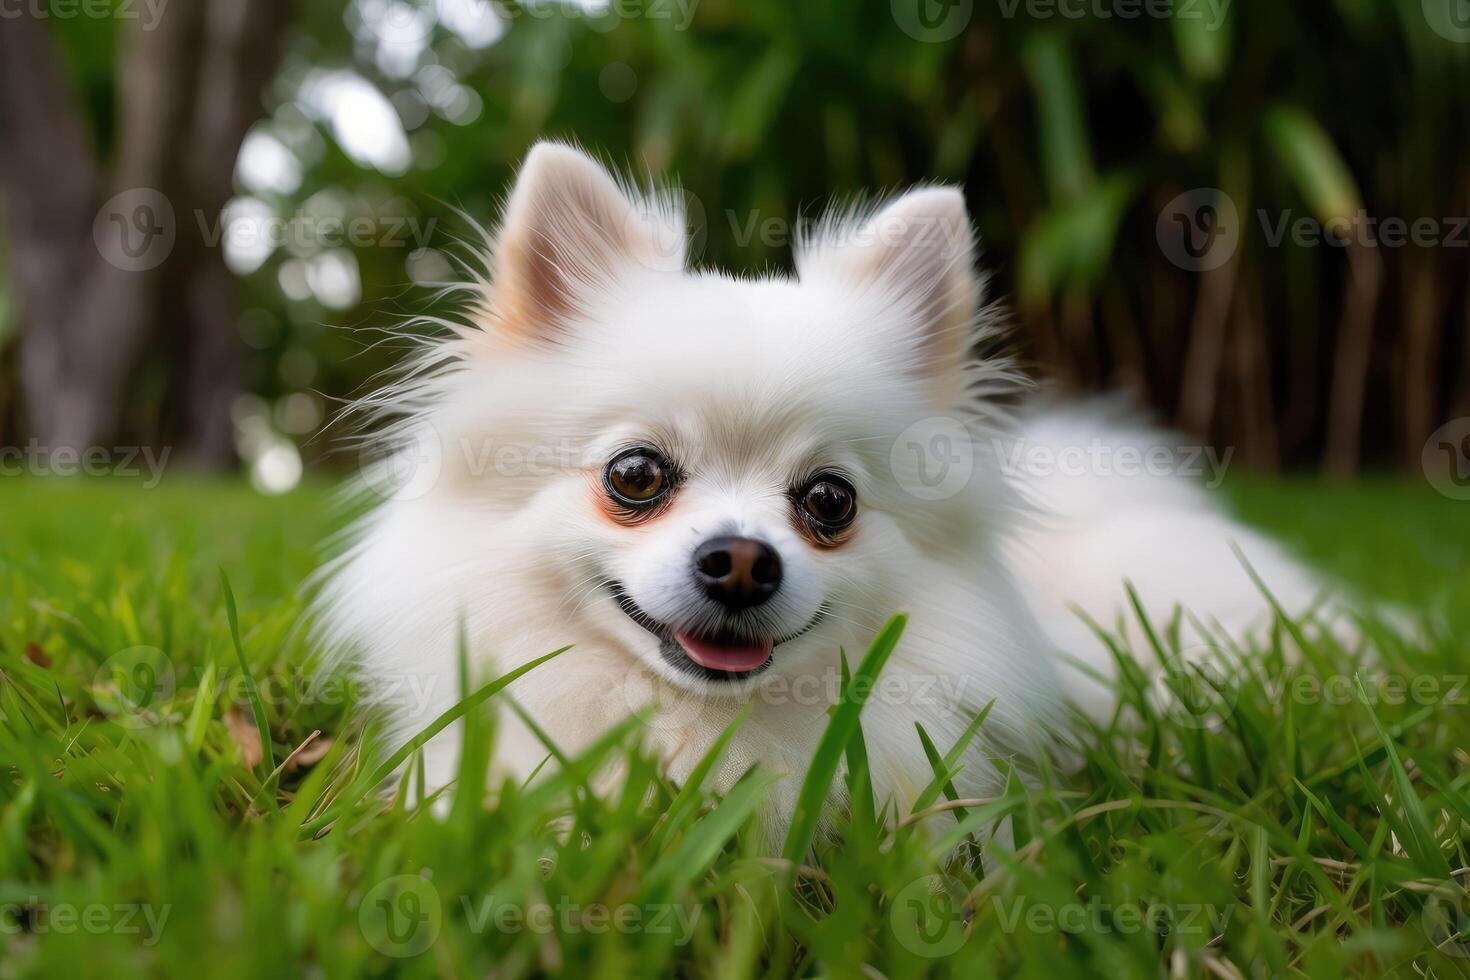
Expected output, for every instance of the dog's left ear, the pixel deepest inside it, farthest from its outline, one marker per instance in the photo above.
(570, 230)
(915, 257)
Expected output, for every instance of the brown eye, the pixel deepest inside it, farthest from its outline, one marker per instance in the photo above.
(638, 477)
(830, 502)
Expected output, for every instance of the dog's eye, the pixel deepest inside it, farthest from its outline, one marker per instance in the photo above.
(638, 477)
(830, 501)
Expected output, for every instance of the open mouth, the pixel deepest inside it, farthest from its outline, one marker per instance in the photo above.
(718, 656)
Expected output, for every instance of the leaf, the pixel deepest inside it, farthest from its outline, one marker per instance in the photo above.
(313, 752)
(1070, 244)
(1315, 166)
(757, 97)
(1203, 41)
(1066, 154)
(246, 736)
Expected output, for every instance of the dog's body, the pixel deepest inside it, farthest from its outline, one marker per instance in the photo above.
(711, 486)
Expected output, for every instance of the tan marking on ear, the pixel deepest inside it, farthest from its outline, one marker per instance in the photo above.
(569, 230)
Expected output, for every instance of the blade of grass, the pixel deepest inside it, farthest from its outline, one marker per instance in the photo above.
(833, 743)
(859, 776)
(1420, 844)
(447, 718)
(268, 757)
(200, 711)
(1339, 826)
(951, 759)
(673, 872)
(943, 777)
(687, 800)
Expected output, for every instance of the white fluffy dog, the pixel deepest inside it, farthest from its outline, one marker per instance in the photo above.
(712, 485)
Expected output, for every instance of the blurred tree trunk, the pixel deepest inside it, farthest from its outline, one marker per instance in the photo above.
(243, 47)
(92, 296)
(1422, 314)
(1460, 396)
(1350, 365)
(1199, 385)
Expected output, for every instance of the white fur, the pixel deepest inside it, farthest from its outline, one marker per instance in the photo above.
(587, 335)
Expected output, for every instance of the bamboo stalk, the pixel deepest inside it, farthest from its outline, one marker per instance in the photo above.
(1360, 298)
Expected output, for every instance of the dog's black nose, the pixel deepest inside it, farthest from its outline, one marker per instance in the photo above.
(737, 572)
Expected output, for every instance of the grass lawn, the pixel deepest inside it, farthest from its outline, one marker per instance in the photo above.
(1291, 824)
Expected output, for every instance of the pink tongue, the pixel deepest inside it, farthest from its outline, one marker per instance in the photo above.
(736, 658)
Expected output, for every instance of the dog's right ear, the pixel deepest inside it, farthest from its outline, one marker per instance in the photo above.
(569, 231)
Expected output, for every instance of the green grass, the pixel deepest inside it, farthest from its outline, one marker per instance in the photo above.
(1277, 828)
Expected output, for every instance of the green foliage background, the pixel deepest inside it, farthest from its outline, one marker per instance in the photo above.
(1070, 124)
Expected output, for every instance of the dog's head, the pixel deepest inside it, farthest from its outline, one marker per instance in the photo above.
(715, 464)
